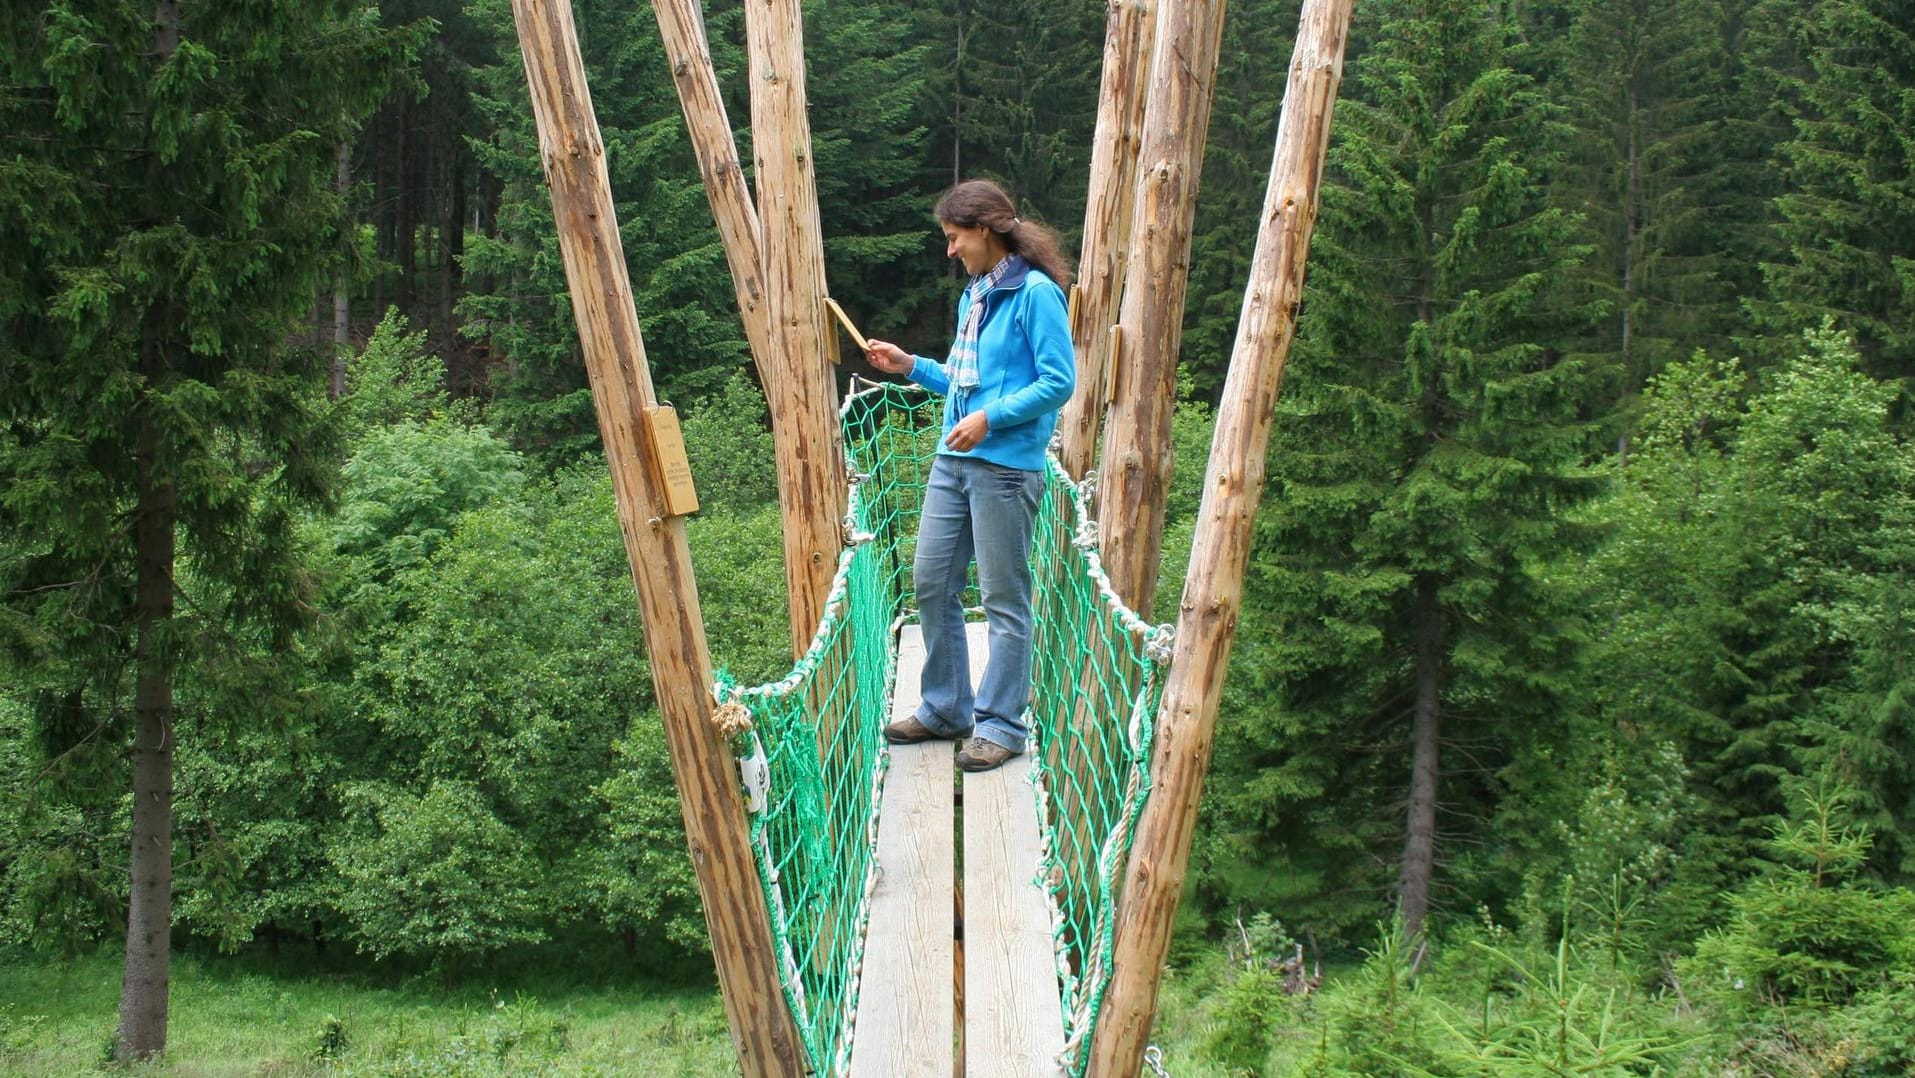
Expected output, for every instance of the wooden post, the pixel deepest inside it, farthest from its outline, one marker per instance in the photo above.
(777, 269)
(1135, 475)
(804, 399)
(1130, 31)
(1213, 587)
(574, 158)
(681, 25)
(1129, 34)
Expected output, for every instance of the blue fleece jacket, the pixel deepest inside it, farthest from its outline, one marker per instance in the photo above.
(1026, 370)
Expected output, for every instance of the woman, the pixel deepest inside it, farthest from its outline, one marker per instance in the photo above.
(1009, 371)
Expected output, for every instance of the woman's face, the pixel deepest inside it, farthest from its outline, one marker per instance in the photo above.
(976, 246)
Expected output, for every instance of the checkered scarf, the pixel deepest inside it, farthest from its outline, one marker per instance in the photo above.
(962, 365)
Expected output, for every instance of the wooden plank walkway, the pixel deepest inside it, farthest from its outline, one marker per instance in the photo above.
(921, 945)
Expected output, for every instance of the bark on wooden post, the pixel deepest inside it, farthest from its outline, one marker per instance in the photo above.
(1213, 587)
(1129, 34)
(574, 159)
(1135, 474)
(811, 484)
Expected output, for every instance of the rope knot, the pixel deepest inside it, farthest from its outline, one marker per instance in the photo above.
(732, 719)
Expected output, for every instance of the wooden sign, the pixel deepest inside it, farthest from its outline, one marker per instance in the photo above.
(671, 471)
(845, 321)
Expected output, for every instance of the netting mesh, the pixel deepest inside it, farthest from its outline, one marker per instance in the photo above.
(1096, 681)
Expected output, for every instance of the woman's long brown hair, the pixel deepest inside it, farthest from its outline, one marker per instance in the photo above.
(981, 202)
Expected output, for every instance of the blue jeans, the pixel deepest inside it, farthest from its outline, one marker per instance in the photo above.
(972, 507)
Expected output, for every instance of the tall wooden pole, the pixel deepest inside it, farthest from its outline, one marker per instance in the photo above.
(1130, 32)
(681, 25)
(1213, 586)
(811, 482)
(574, 158)
(777, 269)
(1135, 475)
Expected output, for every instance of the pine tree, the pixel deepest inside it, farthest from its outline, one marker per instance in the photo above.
(169, 214)
(1428, 441)
(1752, 598)
(1018, 98)
(1243, 123)
(869, 69)
(1645, 83)
(1849, 214)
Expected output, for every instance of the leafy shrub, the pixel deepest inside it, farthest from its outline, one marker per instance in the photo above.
(434, 876)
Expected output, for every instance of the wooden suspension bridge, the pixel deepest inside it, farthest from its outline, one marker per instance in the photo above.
(1160, 61)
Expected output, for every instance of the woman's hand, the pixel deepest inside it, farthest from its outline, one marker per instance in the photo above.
(968, 432)
(888, 357)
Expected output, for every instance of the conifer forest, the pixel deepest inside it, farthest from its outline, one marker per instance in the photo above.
(1591, 493)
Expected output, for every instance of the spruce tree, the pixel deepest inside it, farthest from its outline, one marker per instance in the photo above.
(1848, 216)
(169, 213)
(1645, 83)
(1243, 121)
(1428, 440)
(1753, 601)
(869, 69)
(1017, 93)
(680, 281)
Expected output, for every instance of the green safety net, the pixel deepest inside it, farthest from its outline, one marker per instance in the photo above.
(814, 759)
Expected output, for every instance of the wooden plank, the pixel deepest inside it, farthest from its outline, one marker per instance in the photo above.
(905, 1024)
(1013, 1021)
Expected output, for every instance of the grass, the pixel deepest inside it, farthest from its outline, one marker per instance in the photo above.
(231, 1017)
(257, 1016)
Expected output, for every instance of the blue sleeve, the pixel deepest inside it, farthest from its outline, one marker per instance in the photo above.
(930, 374)
(1048, 331)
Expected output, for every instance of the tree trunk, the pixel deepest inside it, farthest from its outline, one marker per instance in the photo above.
(1632, 208)
(1213, 583)
(380, 205)
(1135, 476)
(451, 274)
(149, 915)
(405, 226)
(1419, 845)
(341, 284)
(143, 991)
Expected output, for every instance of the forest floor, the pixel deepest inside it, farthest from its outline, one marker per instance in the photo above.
(235, 1018)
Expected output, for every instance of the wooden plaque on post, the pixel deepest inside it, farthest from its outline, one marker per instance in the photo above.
(671, 471)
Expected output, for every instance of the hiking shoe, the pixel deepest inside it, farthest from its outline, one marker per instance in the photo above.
(909, 731)
(981, 755)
